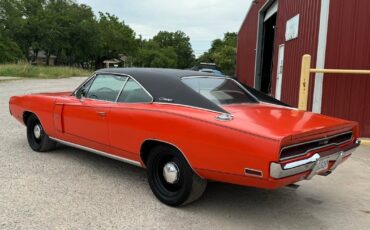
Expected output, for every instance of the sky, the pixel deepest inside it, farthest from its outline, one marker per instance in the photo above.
(202, 20)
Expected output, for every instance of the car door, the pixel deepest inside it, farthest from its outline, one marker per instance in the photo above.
(128, 117)
(85, 115)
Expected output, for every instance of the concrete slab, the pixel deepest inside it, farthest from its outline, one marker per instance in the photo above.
(4, 78)
(74, 189)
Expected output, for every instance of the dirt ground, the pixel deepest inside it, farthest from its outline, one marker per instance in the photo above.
(73, 189)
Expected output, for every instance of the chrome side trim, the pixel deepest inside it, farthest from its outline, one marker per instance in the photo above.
(278, 170)
(319, 147)
(98, 152)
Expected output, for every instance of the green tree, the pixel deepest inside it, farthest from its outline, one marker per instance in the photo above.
(12, 21)
(32, 26)
(9, 50)
(223, 53)
(66, 29)
(180, 43)
(115, 38)
(71, 32)
(151, 54)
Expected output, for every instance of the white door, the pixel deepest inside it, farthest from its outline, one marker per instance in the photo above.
(279, 75)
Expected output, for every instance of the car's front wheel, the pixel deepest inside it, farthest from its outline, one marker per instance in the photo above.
(171, 178)
(38, 140)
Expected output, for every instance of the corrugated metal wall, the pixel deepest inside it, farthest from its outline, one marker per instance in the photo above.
(306, 43)
(246, 50)
(348, 47)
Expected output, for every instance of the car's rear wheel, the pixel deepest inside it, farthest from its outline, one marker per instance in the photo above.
(171, 178)
(38, 140)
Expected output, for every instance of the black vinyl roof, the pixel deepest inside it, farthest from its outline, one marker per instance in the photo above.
(165, 85)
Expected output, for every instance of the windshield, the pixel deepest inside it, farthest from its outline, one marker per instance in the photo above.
(221, 91)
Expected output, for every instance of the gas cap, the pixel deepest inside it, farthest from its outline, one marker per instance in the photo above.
(224, 117)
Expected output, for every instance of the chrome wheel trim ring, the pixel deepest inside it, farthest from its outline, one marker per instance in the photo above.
(171, 173)
(37, 131)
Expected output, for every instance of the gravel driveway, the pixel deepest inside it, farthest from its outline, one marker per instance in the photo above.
(73, 189)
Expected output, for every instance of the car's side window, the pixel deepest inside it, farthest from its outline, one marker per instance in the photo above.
(106, 87)
(82, 92)
(134, 93)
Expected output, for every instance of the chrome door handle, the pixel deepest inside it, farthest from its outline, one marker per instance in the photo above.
(102, 114)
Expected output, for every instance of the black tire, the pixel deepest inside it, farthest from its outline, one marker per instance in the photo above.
(42, 142)
(188, 186)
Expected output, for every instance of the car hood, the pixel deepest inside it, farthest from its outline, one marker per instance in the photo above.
(278, 122)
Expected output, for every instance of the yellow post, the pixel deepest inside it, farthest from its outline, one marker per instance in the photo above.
(305, 81)
(341, 71)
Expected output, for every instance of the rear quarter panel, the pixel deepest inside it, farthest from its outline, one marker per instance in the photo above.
(209, 144)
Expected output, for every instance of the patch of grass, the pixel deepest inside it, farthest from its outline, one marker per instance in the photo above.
(30, 71)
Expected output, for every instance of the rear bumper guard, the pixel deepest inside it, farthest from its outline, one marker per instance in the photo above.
(278, 170)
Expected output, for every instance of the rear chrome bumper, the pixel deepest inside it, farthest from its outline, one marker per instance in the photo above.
(278, 170)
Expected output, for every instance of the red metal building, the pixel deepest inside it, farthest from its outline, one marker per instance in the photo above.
(336, 33)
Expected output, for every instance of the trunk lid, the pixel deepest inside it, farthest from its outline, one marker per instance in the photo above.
(283, 123)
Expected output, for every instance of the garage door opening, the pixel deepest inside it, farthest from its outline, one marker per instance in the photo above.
(265, 47)
(268, 39)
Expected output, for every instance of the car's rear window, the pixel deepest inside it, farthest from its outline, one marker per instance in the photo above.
(221, 91)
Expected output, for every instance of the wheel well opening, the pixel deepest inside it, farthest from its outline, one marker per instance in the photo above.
(148, 145)
(26, 115)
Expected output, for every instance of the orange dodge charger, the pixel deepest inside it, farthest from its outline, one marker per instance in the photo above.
(187, 127)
